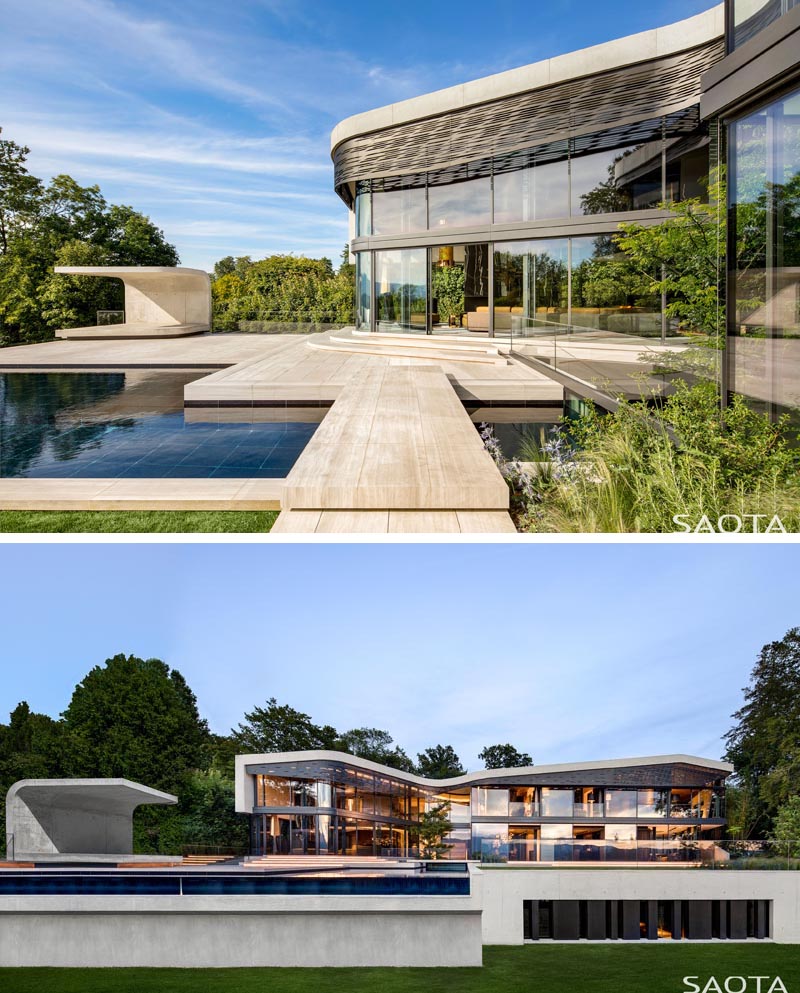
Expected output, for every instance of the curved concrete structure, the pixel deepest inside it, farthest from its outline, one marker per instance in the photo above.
(706, 26)
(310, 763)
(74, 819)
(160, 302)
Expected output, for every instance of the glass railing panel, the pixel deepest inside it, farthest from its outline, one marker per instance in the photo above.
(523, 810)
(588, 810)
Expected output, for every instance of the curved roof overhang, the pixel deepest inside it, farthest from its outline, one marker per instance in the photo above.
(311, 764)
(622, 81)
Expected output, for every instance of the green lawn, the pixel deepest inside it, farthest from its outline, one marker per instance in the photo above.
(120, 521)
(529, 969)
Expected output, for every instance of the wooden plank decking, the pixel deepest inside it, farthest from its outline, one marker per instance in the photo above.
(396, 451)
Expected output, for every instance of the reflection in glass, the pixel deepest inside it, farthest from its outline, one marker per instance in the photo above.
(556, 801)
(459, 198)
(752, 16)
(609, 293)
(653, 803)
(364, 290)
(363, 209)
(531, 185)
(398, 207)
(594, 184)
(531, 282)
(764, 328)
(401, 289)
(487, 802)
(620, 803)
(490, 841)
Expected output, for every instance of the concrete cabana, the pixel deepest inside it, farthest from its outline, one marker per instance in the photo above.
(76, 820)
(160, 302)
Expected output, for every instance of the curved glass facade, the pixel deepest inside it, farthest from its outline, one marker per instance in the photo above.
(356, 812)
(503, 283)
(629, 168)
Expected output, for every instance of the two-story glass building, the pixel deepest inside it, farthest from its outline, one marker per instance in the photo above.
(658, 809)
(493, 203)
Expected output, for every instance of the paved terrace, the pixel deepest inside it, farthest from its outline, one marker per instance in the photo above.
(396, 451)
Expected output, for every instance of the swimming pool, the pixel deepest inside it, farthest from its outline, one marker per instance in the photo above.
(132, 425)
(165, 883)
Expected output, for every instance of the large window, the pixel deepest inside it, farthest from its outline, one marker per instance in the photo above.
(489, 802)
(531, 185)
(398, 207)
(531, 282)
(458, 198)
(401, 289)
(764, 325)
(364, 290)
(609, 294)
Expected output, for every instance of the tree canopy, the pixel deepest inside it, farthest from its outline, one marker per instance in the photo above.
(280, 288)
(280, 728)
(135, 718)
(764, 743)
(439, 762)
(62, 223)
(503, 757)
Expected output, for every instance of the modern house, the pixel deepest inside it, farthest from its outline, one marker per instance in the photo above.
(658, 810)
(518, 180)
(488, 208)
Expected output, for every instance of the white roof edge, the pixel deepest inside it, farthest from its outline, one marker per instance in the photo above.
(366, 764)
(654, 43)
(109, 270)
(128, 784)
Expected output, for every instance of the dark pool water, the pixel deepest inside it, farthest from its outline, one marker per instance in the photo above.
(132, 424)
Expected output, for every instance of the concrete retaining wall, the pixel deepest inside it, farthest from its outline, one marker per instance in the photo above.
(149, 933)
(504, 890)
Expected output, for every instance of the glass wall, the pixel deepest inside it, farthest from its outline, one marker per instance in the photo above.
(751, 16)
(532, 185)
(401, 289)
(531, 282)
(398, 207)
(364, 290)
(764, 326)
(459, 197)
(608, 294)
(633, 167)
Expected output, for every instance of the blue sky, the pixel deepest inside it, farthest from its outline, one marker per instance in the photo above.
(214, 119)
(570, 652)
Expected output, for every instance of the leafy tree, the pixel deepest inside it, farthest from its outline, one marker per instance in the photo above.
(280, 728)
(764, 743)
(62, 223)
(504, 757)
(20, 193)
(30, 748)
(135, 718)
(439, 762)
(281, 288)
(434, 826)
(690, 247)
(207, 811)
(786, 832)
(375, 745)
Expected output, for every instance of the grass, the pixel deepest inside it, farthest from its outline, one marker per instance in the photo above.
(127, 521)
(545, 968)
